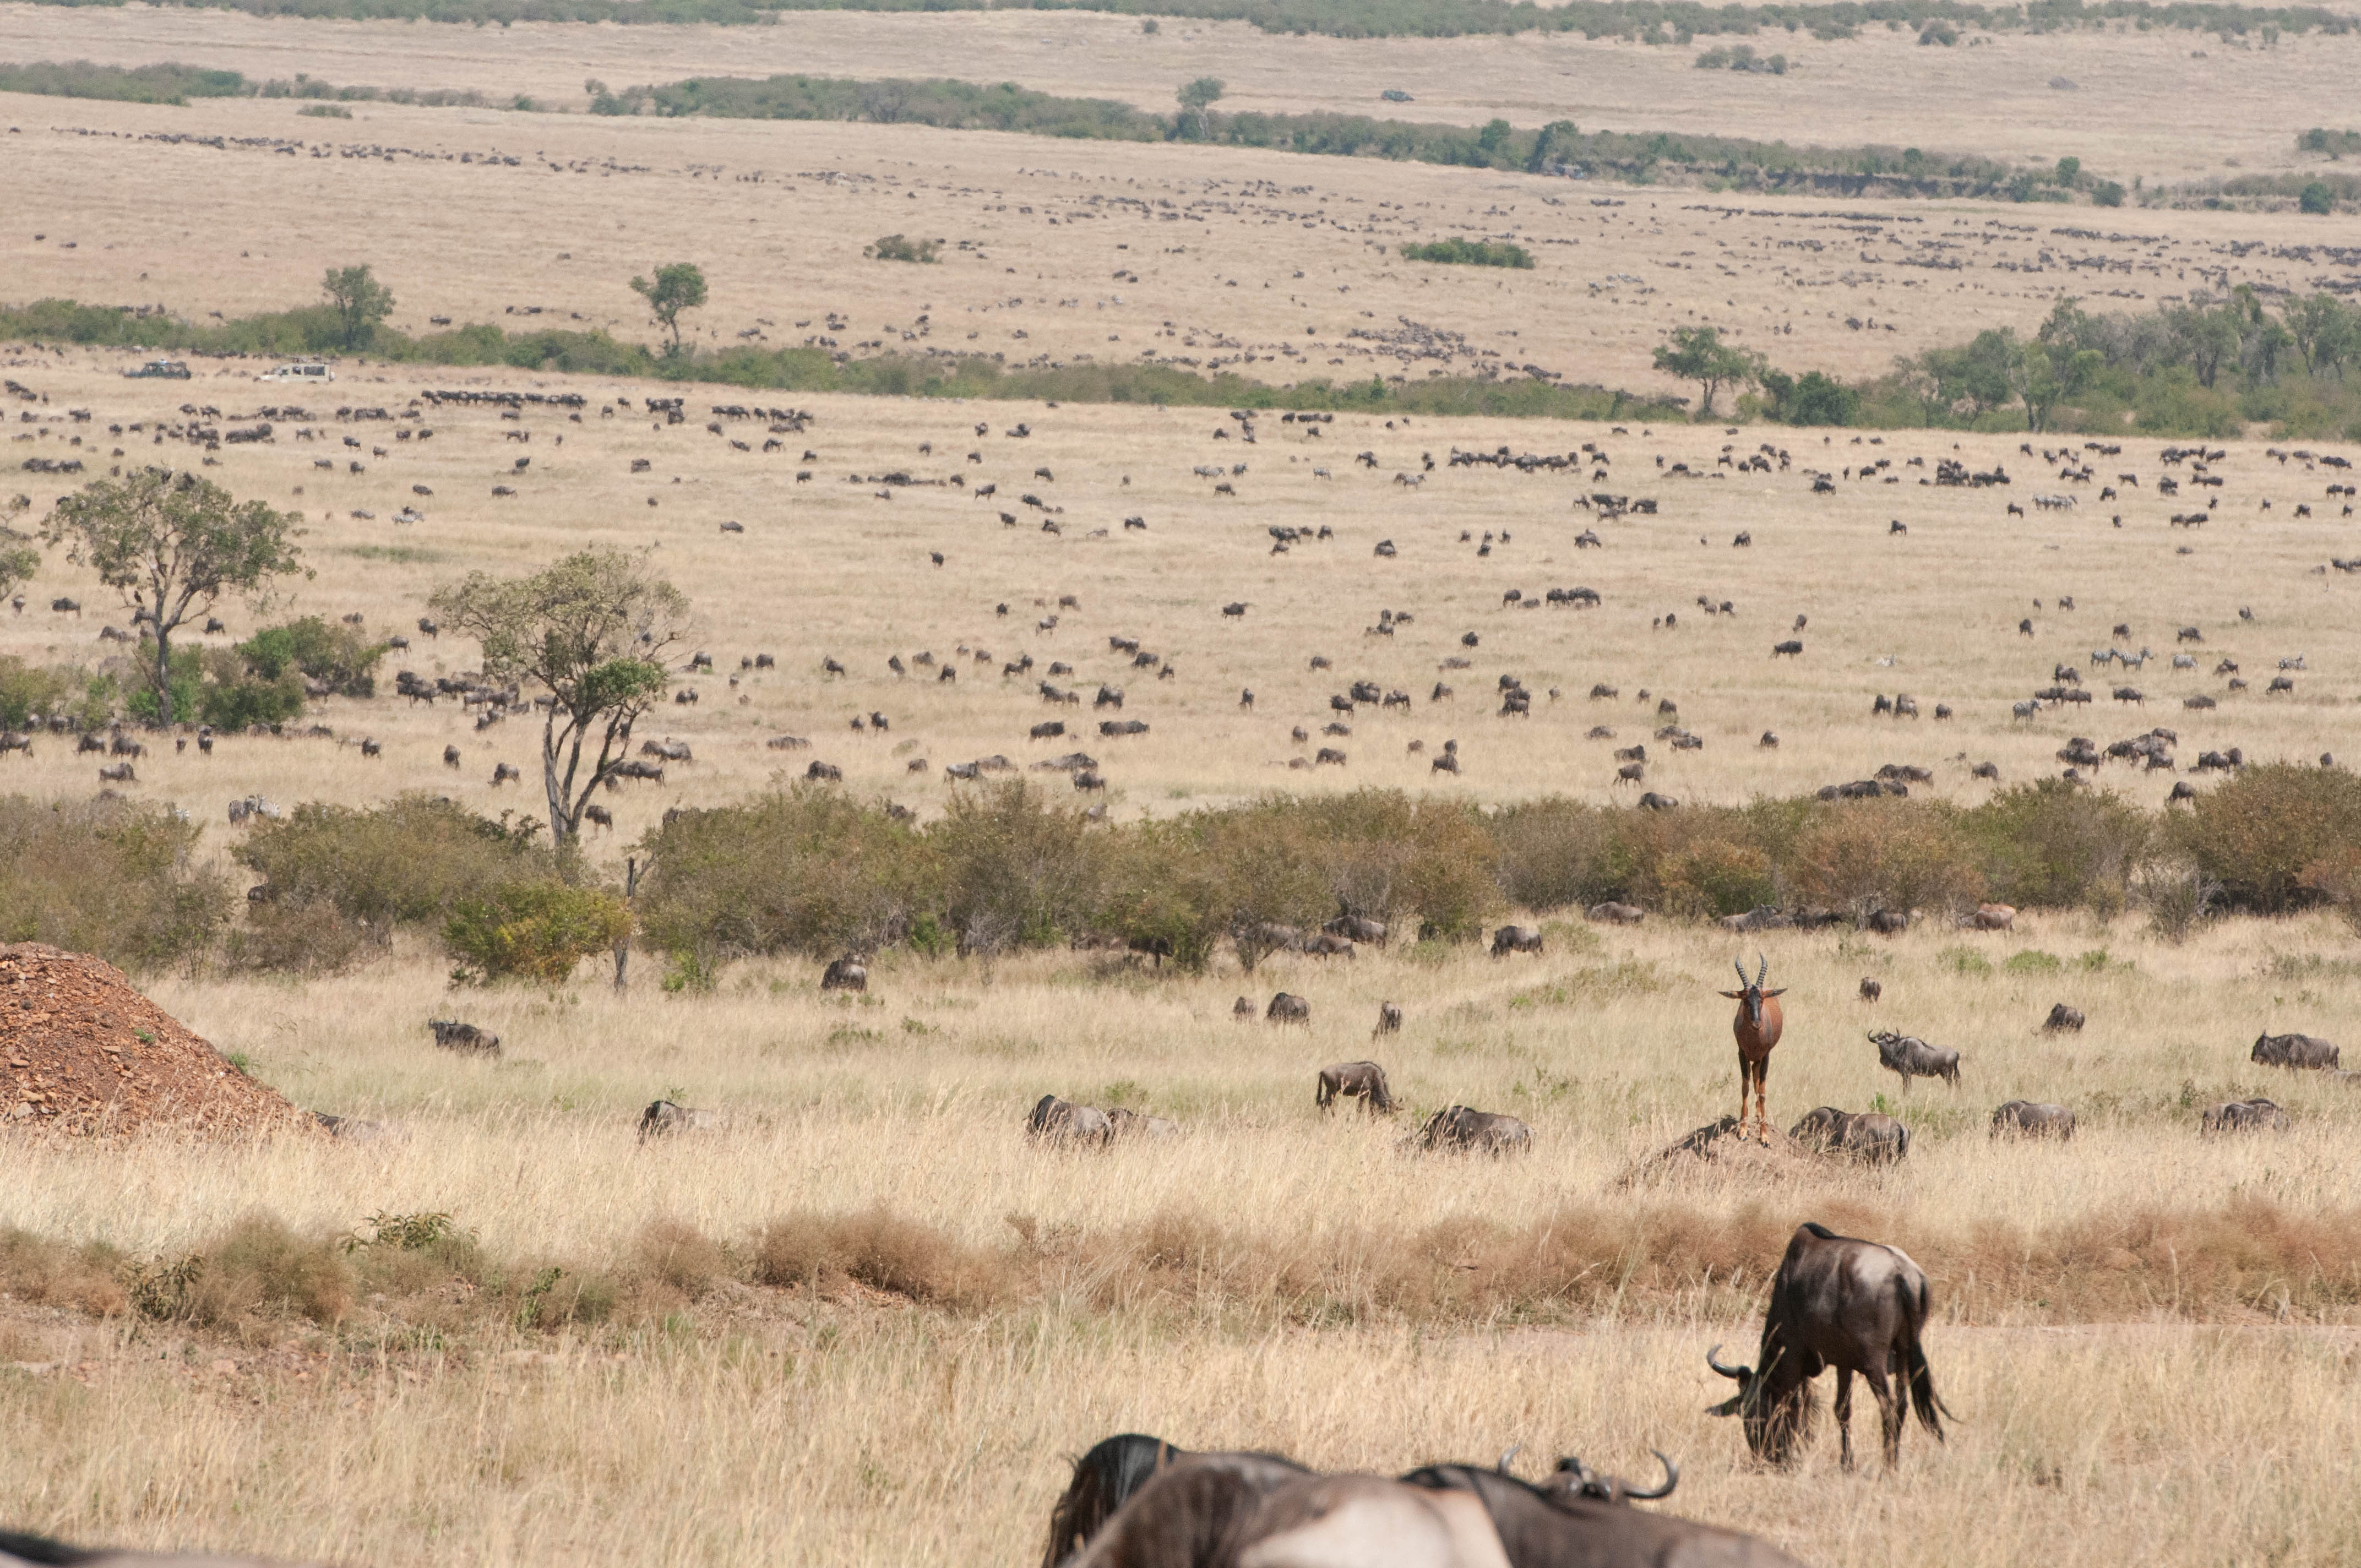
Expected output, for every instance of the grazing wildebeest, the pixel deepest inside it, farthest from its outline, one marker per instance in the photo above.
(1887, 922)
(1061, 1121)
(1104, 1479)
(845, 973)
(1353, 927)
(1457, 1127)
(503, 773)
(1325, 945)
(454, 1035)
(662, 1118)
(2293, 1051)
(1991, 917)
(2027, 1118)
(1287, 1008)
(1389, 1020)
(1871, 990)
(1364, 1080)
(2244, 1115)
(1835, 1301)
(1864, 1134)
(1125, 1123)
(1757, 1026)
(1516, 940)
(1908, 1057)
(2063, 1017)
(1616, 913)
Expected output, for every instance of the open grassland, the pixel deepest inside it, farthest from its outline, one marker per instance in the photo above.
(2163, 106)
(1277, 266)
(830, 569)
(860, 1324)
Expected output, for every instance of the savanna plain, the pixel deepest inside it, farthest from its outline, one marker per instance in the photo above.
(863, 1319)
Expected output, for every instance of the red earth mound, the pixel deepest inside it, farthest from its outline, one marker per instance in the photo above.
(81, 1051)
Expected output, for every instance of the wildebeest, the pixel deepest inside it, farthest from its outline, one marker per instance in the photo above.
(1389, 1020)
(1835, 1301)
(1616, 913)
(845, 973)
(1287, 1008)
(2063, 1017)
(1908, 1057)
(503, 773)
(2293, 1051)
(1887, 922)
(1353, 927)
(1062, 1122)
(2027, 1118)
(1457, 1127)
(1516, 940)
(1362, 1079)
(1125, 1123)
(2243, 1115)
(1104, 1479)
(1756, 1026)
(1243, 1010)
(1865, 1135)
(1991, 917)
(120, 774)
(1871, 990)
(662, 1118)
(454, 1035)
(1325, 945)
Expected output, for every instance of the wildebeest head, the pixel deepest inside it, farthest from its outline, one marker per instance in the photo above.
(1774, 1405)
(1573, 1478)
(1754, 994)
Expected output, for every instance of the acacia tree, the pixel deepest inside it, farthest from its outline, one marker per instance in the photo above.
(1697, 354)
(18, 559)
(171, 544)
(1198, 97)
(360, 301)
(592, 631)
(678, 288)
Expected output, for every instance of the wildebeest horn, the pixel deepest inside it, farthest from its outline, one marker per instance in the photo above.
(1739, 965)
(1764, 971)
(1672, 1479)
(1515, 1449)
(1713, 1359)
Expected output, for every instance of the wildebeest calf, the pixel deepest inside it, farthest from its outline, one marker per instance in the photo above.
(1457, 1127)
(662, 1118)
(2244, 1115)
(454, 1035)
(2063, 1017)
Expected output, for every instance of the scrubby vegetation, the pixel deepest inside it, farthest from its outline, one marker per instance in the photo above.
(1471, 253)
(111, 877)
(176, 84)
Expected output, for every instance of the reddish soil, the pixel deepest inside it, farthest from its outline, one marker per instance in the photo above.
(82, 1052)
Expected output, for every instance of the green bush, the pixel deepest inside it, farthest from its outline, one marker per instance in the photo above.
(112, 877)
(2107, 194)
(2316, 197)
(409, 862)
(25, 691)
(1886, 854)
(894, 248)
(2052, 845)
(1016, 871)
(1471, 253)
(534, 931)
(338, 657)
(2256, 833)
(1712, 877)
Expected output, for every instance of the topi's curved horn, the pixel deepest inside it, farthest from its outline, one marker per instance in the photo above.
(1712, 1359)
(1739, 965)
(1763, 972)
(1515, 1449)
(1672, 1479)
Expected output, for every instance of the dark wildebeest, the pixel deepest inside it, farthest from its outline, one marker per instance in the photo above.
(1757, 1026)
(1871, 990)
(1354, 928)
(1908, 1057)
(2244, 1115)
(662, 1118)
(17, 1547)
(1563, 1524)
(1865, 1135)
(1104, 1479)
(1573, 1478)
(1287, 1008)
(1615, 913)
(1516, 940)
(1365, 1079)
(2063, 1017)
(2025, 1118)
(1389, 1020)
(1243, 1010)
(1457, 1127)
(454, 1035)
(1325, 945)
(1123, 1123)
(1853, 1305)
(1887, 922)
(1061, 1121)
(846, 973)
(1136, 1502)
(2294, 1050)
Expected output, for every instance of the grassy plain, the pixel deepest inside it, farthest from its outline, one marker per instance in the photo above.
(2148, 1335)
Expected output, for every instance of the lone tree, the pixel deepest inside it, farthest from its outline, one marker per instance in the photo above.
(592, 630)
(360, 301)
(1697, 354)
(678, 288)
(171, 544)
(1199, 96)
(18, 559)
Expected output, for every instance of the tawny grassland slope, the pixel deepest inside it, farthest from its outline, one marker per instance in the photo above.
(2147, 1335)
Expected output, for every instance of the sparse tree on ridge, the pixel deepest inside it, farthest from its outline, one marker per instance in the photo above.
(1199, 96)
(1697, 354)
(360, 303)
(678, 288)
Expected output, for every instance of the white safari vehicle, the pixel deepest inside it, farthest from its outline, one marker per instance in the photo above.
(306, 370)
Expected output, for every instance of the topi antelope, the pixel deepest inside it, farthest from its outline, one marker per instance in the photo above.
(1757, 1026)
